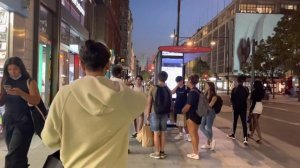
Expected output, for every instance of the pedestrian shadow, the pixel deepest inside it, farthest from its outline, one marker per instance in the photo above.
(242, 151)
(274, 153)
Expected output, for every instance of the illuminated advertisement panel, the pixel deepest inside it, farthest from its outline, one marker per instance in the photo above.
(248, 27)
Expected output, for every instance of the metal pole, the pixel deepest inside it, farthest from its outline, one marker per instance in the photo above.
(228, 68)
(178, 23)
(252, 62)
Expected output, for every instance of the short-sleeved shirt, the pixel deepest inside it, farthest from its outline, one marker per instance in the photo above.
(181, 97)
(193, 99)
(138, 89)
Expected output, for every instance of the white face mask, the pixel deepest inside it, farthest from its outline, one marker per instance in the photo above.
(16, 78)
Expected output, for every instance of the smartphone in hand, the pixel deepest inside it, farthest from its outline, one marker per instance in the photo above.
(7, 87)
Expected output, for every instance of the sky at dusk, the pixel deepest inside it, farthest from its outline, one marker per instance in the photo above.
(155, 20)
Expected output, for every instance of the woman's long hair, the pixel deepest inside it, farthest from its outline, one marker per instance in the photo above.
(212, 90)
(14, 61)
(259, 88)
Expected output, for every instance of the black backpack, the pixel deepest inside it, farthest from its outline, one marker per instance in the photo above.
(162, 102)
(218, 104)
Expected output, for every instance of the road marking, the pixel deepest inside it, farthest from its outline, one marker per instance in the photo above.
(284, 121)
(282, 109)
(277, 108)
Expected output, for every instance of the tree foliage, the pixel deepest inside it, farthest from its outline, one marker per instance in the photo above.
(201, 67)
(286, 41)
(279, 53)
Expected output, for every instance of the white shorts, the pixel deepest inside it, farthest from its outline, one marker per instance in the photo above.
(258, 108)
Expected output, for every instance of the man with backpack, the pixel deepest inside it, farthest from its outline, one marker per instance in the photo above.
(239, 96)
(157, 110)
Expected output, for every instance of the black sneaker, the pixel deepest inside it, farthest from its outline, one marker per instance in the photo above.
(134, 135)
(231, 136)
(162, 155)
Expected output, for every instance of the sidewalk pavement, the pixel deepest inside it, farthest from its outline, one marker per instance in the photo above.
(228, 154)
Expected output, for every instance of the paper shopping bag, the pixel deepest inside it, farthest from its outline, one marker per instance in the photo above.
(181, 120)
(147, 136)
(139, 136)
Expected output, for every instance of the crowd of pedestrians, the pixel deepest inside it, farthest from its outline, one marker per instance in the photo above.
(89, 120)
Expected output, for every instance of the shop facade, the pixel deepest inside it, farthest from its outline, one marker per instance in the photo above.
(15, 40)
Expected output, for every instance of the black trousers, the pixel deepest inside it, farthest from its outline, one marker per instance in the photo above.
(18, 139)
(243, 116)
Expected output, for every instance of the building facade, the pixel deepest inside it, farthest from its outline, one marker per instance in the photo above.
(126, 25)
(106, 25)
(232, 32)
(48, 36)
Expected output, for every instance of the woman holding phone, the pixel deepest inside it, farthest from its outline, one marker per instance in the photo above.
(18, 126)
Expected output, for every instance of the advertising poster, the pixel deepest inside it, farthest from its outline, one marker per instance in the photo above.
(249, 27)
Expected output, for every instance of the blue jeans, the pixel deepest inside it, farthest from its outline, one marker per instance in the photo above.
(207, 123)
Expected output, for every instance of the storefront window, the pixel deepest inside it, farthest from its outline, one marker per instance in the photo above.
(44, 57)
(65, 33)
(71, 68)
(4, 20)
(63, 68)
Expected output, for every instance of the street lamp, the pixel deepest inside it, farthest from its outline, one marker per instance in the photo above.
(227, 56)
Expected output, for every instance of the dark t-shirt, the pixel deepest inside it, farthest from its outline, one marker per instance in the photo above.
(239, 97)
(181, 97)
(193, 99)
(16, 107)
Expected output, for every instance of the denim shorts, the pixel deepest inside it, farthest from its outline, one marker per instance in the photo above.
(158, 122)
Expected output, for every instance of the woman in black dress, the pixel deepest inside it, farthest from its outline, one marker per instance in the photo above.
(17, 122)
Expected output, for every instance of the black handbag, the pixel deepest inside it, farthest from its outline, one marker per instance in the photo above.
(53, 161)
(38, 116)
(38, 113)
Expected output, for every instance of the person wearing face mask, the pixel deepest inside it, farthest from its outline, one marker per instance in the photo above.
(17, 122)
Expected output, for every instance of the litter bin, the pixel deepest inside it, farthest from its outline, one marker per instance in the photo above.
(266, 96)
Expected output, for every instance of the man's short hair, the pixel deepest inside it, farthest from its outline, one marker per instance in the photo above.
(117, 71)
(241, 79)
(162, 76)
(194, 79)
(179, 78)
(139, 76)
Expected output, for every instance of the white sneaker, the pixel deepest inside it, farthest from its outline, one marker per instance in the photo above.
(193, 156)
(213, 144)
(188, 137)
(205, 146)
(179, 136)
(245, 141)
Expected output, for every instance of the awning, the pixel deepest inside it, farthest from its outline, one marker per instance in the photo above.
(190, 53)
(185, 49)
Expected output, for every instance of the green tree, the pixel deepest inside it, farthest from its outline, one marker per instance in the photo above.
(201, 68)
(286, 43)
(145, 75)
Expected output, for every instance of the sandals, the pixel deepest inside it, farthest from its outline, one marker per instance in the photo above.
(259, 141)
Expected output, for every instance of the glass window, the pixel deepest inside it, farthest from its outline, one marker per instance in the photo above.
(63, 68)
(71, 68)
(44, 57)
(289, 6)
(65, 33)
(4, 20)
